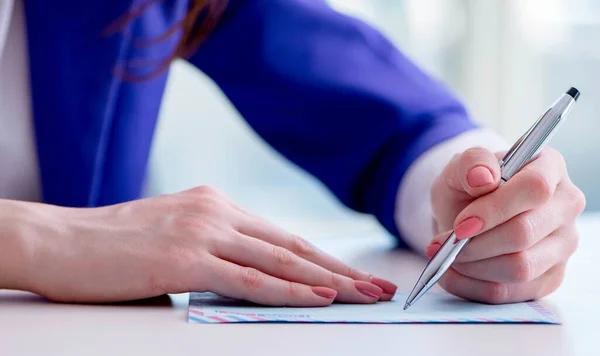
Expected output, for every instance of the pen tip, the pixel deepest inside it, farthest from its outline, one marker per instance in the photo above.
(574, 93)
(406, 306)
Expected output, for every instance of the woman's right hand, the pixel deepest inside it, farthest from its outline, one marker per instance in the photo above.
(193, 241)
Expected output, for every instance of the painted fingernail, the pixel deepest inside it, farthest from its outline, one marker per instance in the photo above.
(324, 292)
(432, 249)
(368, 289)
(479, 176)
(387, 286)
(468, 228)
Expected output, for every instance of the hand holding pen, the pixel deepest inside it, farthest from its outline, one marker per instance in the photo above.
(507, 244)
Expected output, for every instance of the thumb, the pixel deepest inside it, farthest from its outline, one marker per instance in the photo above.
(475, 172)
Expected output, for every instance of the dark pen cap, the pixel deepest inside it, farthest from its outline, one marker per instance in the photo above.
(574, 93)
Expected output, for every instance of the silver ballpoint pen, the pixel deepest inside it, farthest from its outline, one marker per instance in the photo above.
(523, 151)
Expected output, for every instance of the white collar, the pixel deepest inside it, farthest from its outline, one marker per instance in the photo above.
(6, 9)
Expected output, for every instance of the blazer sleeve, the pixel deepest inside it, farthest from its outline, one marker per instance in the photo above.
(332, 95)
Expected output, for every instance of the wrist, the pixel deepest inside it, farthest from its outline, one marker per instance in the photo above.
(19, 241)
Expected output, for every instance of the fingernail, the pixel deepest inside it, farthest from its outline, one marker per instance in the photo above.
(324, 292)
(368, 289)
(468, 228)
(387, 286)
(432, 249)
(479, 176)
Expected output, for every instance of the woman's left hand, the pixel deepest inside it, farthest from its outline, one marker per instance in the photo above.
(522, 233)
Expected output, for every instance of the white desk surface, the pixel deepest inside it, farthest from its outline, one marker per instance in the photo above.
(30, 325)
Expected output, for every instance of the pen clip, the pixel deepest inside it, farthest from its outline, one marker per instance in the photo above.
(513, 149)
(520, 141)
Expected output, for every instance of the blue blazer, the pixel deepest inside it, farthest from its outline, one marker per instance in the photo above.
(327, 91)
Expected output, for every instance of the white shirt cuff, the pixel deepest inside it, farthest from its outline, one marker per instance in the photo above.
(413, 214)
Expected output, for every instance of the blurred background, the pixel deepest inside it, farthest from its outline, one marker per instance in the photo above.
(507, 60)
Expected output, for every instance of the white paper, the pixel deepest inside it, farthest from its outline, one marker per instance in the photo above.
(431, 308)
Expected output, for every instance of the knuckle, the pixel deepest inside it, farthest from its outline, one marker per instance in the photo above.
(538, 188)
(523, 234)
(189, 204)
(496, 293)
(203, 204)
(522, 267)
(170, 202)
(293, 290)
(251, 278)
(556, 157)
(578, 200)
(496, 209)
(337, 281)
(475, 154)
(210, 204)
(352, 272)
(206, 190)
(282, 257)
(189, 223)
(301, 247)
